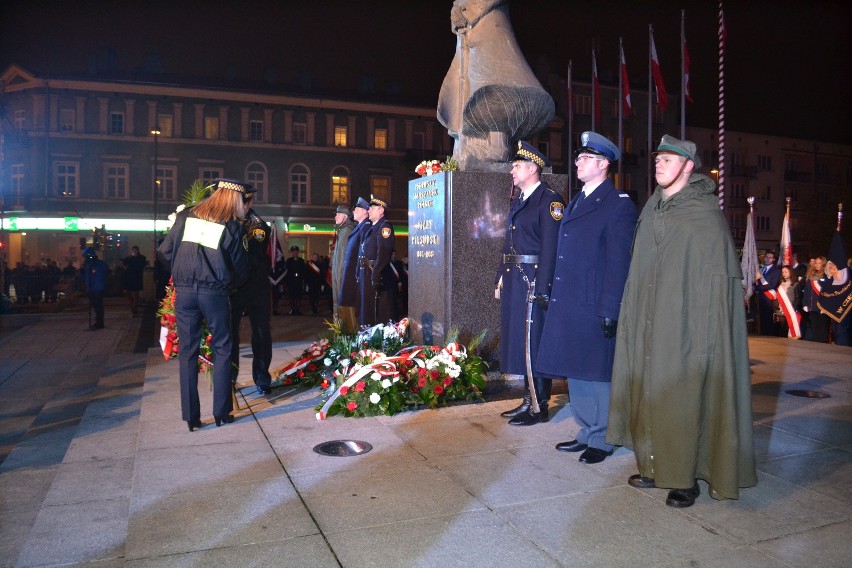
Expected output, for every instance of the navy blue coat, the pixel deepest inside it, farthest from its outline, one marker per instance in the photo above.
(531, 228)
(348, 285)
(592, 261)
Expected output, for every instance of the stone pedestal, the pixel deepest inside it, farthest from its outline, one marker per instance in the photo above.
(456, 225)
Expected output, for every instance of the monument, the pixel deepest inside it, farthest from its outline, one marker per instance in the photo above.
(457, 219)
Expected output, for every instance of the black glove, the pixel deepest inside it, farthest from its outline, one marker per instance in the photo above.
(608, 326)
(543, 300)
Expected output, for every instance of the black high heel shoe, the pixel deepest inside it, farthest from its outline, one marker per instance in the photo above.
(227, 419)
(194, 425)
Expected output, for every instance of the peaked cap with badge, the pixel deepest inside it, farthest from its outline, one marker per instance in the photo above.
(594, 143)
(684, 148)
(529, 153)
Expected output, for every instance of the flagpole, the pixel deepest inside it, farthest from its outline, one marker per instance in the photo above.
(650, 115)
(721, 180)
(594, 90)
(620, 110)
(570, 133)
(682, 75)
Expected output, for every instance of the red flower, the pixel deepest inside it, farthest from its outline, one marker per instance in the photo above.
(421, 372)
(438, 389)
(435, 374)
(301, 373)
(287, 380)
(422, 382)
(352, 406)
(209, 338)
(312, 367)
(448, 380)
(359, 386)
(344, 390)
(324, 384)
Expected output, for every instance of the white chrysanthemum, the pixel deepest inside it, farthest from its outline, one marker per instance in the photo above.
(344, 362)
(375, 398)
(376, 377)
(326, 362)
(386, 384)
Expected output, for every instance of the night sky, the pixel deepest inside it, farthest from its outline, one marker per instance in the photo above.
(787, 66)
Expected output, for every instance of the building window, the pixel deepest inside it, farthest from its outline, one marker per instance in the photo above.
(737, 222)
(66, 120)
(211, 127)
(628, 180)
(166, 125)
(340, 186)
(340, 136)
(17, 182)
(380, 139)
(66, 176)
(256, 131)
(20, 119)
(256, 176)
(116, 123)
(300, 133)
(419, 140)
(764, 163)
(115, 181)
(380, 186)
(764, 193)
(207, 175)
(167, 176)
(544, 148)
(628, 145)
(582, 104)
(299, 184)
(737, 191)
(762, 223)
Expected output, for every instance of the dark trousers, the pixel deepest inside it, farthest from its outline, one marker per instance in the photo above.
(766, 309)
(385, 307)
(366, 297)
(313, 296)
(590, 405)
(816, 326)
(295, 291)
(96, 299)
(255, 304)
(191, 308)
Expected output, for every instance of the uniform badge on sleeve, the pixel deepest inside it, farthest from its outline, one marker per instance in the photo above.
(386, 232)
(556, 210)
(245, 243)
(259, 235)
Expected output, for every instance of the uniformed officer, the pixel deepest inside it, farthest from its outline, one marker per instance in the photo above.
(294, 279)
(314, 279)
(529, 253)
(344, 224)
(592, 260)
(347, 300)
(205, 250)
(253, 300)
(376, 248)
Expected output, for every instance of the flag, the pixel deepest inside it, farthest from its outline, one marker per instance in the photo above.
(786, 243)
(686, 64)
(657, 72)
(273, 247)
(749, 264)
(596, 88)
(625, 85)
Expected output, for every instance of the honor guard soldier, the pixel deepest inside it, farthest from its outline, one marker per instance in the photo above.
(294, 279)
(529, 255)
(347, 299)
(344, 224)
(592, 259)
(376, 248)
(253, 299)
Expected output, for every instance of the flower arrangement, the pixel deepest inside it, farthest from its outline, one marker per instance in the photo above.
(430, 167)
(378, 372)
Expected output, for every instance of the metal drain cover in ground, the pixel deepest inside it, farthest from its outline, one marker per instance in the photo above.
(343, 448)
(808, 393)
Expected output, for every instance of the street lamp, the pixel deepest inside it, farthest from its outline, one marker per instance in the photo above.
(715, 175)
(156, 133)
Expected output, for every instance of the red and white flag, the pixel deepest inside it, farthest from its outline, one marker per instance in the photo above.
(686, 63)
(662, 98)
(625, 85)
(596, 88)
(786, 242)
(273, 247)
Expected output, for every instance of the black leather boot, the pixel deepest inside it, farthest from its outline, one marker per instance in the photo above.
(528, 418)
(520, 409)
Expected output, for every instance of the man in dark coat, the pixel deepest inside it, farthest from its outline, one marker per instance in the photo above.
(681, 383)
(294, 279)
(94, 273)
(375, 301)
(529, 255)
(253, 299)
(314, 278)
(592, 259)
(347, 299)
(767, 279)
(134, 269)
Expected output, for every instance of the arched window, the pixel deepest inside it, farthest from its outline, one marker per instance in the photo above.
(300, 184)
(256, 175)
(340, 186)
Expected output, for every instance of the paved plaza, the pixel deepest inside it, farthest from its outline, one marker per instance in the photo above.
(97, 469)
